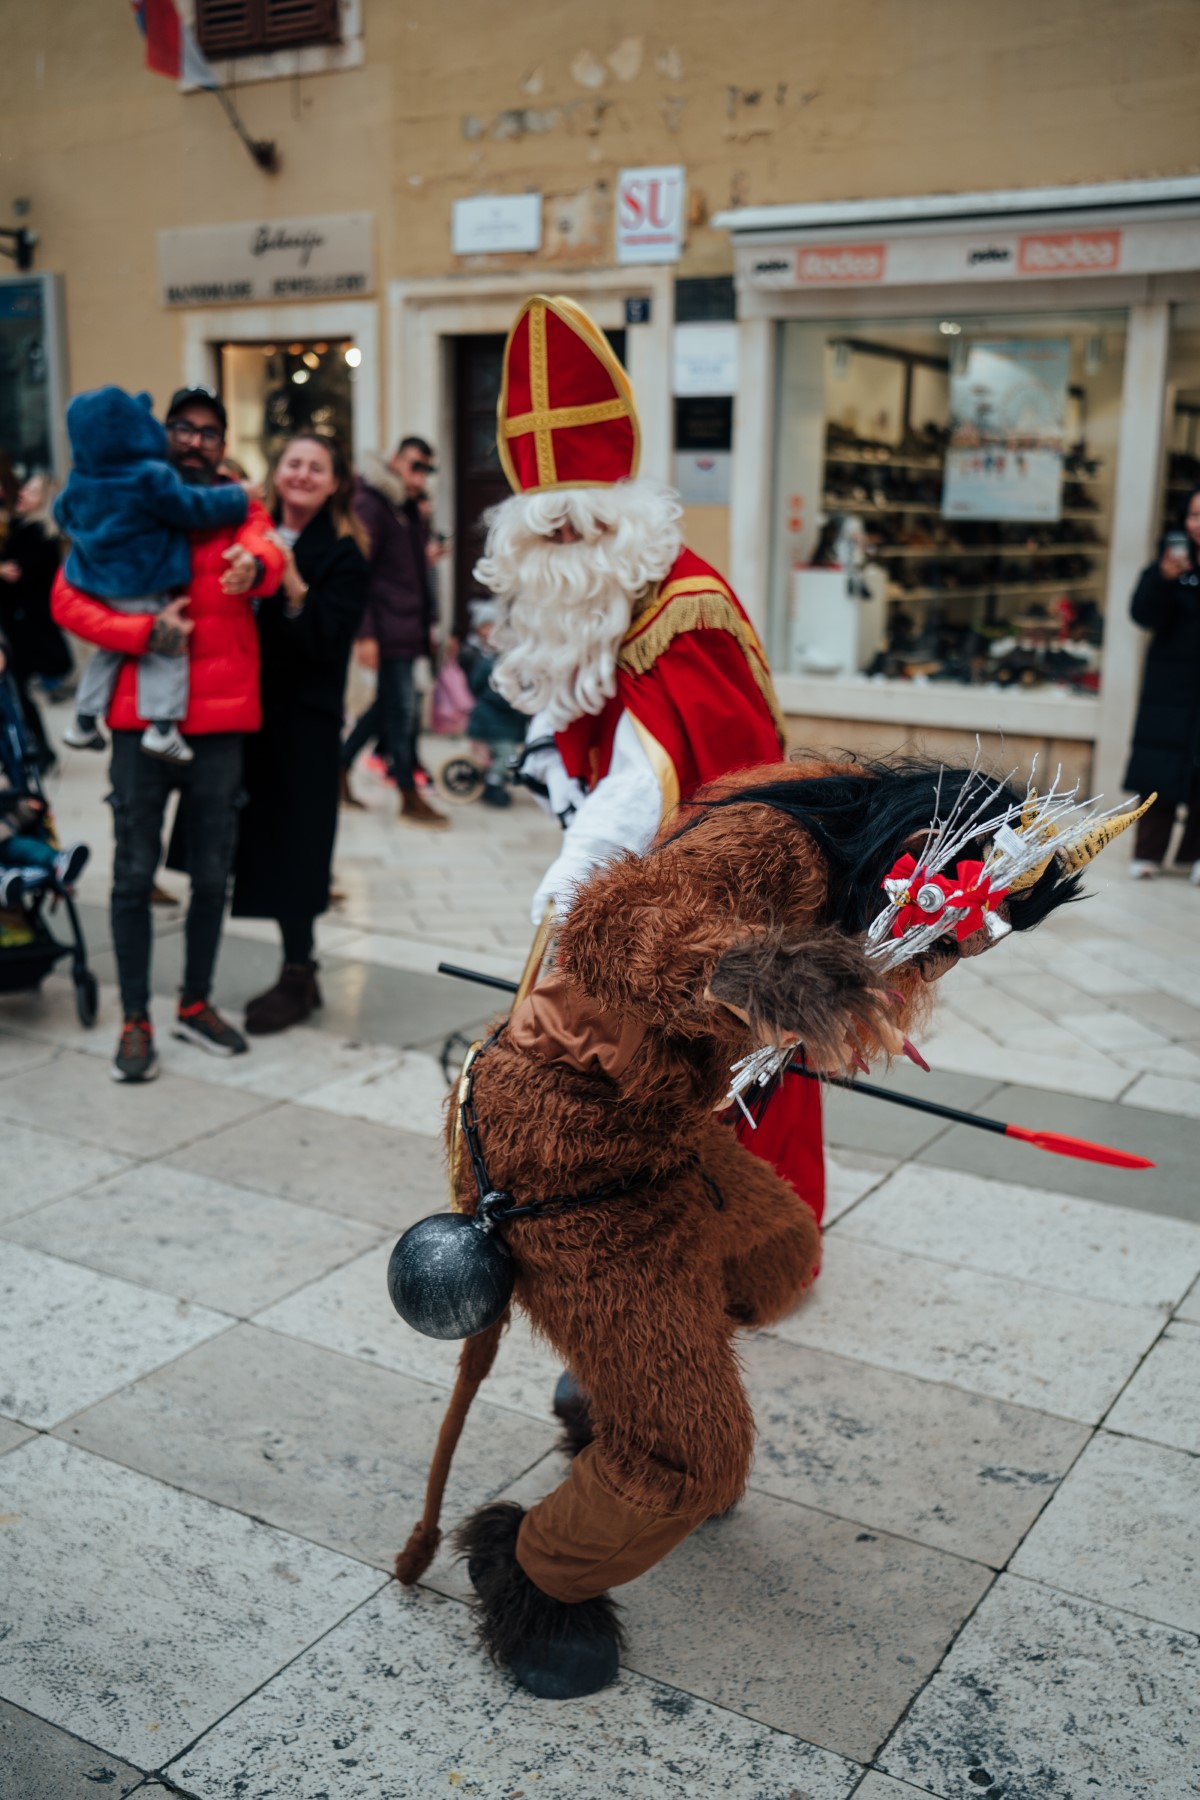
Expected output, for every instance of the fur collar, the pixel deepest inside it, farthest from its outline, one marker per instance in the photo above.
(376, 474)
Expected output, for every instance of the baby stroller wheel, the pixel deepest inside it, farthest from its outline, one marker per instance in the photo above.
(460, 779)
(87, 998)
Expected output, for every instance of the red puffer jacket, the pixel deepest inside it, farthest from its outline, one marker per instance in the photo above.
(223, 648)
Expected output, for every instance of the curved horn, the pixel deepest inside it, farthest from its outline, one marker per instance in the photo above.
(1080, 851)
(1029, 824)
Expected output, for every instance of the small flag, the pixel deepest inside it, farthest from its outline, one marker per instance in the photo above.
(170, 47)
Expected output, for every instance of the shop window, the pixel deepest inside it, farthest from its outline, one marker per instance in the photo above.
(241, 27)
(1181, 475)
(943, 498)
(272, 391)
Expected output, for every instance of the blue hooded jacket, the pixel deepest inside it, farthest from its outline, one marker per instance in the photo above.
(125, 510)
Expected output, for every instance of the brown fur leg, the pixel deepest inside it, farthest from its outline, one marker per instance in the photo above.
(768, 1240)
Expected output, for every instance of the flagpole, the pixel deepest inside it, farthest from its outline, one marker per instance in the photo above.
(261, 149)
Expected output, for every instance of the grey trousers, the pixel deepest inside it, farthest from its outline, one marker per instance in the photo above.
(162, 681)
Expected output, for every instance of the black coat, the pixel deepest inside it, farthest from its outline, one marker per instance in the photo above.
(1166, 734)
(38, 646)
(288, 826)
(401, 606)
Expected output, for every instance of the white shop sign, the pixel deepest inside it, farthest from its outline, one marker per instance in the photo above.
(917, 258)
(266, 259)
(650, 213)
(493, 224)
(705, 359)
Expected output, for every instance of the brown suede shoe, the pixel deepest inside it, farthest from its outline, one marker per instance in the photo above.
(416, 810)
(346, 794)
(294, 996)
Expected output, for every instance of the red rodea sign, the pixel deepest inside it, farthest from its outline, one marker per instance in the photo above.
(836, 265)
(1070, 253)
(650, 206)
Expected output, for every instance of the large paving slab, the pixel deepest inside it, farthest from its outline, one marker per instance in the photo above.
(399, 1700)
(850, 1174)
(1004, 1338)
(1170, 1187)
(342, 1165)
(12, 1434)
(1076, 1246)
(40, 1166)
(952, 1470)
(875, 1786)
(408, 1009)
(826, 1630)
(39, 1762)
(410, 1095)
(138, 1633)
(194, 1237)
(74, 1095)
(349, 1310)
(1124, 1529)
(285, 1066)
(863, 1122)
(1044, 1695)
(1162, 1402)
(316, 1443)
(1190, 1307)
(20, 1055)
(69, 1335)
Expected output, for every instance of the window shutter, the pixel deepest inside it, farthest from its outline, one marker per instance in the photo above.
(228, 27)
(300, 22)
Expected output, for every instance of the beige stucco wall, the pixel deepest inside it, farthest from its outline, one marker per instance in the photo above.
(768, 100)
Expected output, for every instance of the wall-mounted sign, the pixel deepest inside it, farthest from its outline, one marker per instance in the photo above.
(705, 358)
(650, 215)
(266, 259)
(494, 224)
(1008, 423)
(637, 309)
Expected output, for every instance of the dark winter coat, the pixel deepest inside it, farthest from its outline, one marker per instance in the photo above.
(492, 720)
(288, 826)
(38, 647)
(126, 511)
(1166, 734)
(400, 599)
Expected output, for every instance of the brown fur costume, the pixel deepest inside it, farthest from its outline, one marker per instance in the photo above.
(613, 1069)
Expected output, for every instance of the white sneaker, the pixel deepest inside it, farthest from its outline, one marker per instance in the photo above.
(1143, 871)
(83, 737)
(169, 745)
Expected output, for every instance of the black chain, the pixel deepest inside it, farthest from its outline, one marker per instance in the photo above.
(496, 1206)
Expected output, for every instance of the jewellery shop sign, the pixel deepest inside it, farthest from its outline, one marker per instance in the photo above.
(266, 259)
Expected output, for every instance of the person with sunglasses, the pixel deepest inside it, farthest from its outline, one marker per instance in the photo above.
(212, 626)
(400, 621)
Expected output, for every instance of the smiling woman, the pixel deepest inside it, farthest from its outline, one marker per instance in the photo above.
(305, 630)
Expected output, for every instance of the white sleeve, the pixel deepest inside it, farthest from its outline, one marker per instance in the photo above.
(622, 812)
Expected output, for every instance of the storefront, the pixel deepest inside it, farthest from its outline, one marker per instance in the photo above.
(33, 372)
(951, 457)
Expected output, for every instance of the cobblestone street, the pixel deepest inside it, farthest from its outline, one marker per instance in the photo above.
(969, 1560)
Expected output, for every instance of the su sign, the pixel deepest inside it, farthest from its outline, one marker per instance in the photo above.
(650, 215)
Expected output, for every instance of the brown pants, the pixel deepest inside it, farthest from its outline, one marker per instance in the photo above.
(673, 1430)
(1155, 827)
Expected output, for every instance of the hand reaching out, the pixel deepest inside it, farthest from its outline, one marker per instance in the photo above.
(822, 992)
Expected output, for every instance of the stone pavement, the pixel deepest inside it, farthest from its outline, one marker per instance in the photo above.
(969, 1559)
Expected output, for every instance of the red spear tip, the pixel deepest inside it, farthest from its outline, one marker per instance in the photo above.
(1058, 1145)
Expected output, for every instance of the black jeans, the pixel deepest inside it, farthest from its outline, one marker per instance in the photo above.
(1154, 830)
(210, 789)
(398, 710)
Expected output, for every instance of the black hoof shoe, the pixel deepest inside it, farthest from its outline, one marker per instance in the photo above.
(566, 1669)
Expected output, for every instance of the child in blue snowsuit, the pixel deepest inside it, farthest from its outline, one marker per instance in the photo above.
(128, 514)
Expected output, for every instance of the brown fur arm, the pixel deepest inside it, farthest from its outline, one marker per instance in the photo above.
(822, 989)
(645, 935)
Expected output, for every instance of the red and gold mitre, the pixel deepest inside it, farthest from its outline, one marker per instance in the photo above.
(566, 416)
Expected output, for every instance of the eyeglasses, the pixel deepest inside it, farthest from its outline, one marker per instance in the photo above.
(424, 468)
(186, 433)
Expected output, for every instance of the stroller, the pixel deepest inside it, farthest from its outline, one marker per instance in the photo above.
(28, 947)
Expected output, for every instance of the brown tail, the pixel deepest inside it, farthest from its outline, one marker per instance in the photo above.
(474, 1363)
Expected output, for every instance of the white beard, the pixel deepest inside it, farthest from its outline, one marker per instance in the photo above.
(564, 608)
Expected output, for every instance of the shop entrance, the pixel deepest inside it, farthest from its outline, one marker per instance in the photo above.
(479, 481)
(272, 390)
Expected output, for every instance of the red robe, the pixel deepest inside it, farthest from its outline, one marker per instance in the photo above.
(693, 678)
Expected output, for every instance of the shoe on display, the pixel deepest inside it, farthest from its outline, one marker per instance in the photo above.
(1140, 870)
(292, 999)
(69, 864)
(196, 1022)
(12, 888)
(169, 746)
(84, 734)
(416, 810)
(136, 1058)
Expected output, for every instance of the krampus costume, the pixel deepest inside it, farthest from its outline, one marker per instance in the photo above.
(794, 910)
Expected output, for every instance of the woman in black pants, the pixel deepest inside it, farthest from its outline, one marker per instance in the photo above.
(1166, 735)
(306, 629)
(29, 560)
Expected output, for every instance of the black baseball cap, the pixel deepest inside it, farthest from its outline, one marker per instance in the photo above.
(202, 396)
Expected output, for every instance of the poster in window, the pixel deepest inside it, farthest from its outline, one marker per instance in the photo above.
(1008, 422)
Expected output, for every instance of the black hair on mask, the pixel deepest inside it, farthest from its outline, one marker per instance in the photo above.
(863, 817)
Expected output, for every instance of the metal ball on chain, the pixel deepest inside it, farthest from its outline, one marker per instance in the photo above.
(450, 1275)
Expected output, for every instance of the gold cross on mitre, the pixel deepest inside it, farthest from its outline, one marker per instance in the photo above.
(543, 419)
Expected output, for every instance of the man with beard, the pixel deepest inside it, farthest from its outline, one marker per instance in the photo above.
(213, 626)
(644, 675)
